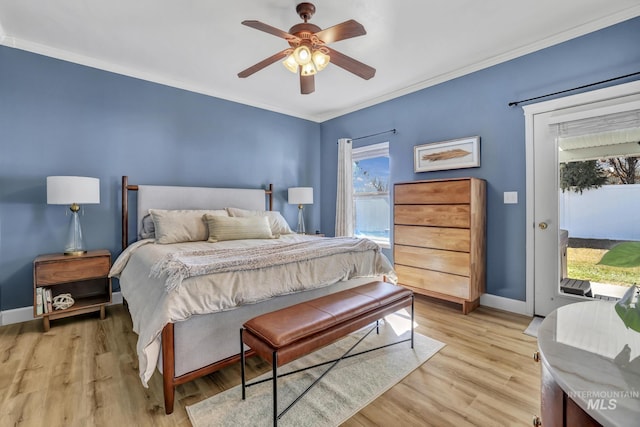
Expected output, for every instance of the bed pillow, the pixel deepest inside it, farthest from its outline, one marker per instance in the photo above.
(276, 221)
(147, 230)
(175, 226)
(230, 228)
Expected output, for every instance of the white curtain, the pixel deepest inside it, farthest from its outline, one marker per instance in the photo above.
(344, 198)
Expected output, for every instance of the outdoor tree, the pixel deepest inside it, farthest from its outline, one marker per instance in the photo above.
(625, 169)
(580, 176)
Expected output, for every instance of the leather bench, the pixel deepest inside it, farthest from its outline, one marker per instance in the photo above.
(284, 335)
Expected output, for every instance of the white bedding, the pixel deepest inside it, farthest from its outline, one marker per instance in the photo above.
(152, 307)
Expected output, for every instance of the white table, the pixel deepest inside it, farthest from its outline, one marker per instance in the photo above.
(594, 360)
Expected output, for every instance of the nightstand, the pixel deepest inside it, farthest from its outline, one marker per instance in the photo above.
(85, 277)
(314, 234)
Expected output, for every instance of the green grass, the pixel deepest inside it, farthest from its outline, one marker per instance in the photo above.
(582, 263)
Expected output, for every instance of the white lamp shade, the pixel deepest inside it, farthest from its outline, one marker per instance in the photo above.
(300, 195)
(66, 190)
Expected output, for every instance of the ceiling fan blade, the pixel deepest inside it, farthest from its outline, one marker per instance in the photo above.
(260, 65)
(345, 30)
(307, 84)
(269, 29)
(350, 64)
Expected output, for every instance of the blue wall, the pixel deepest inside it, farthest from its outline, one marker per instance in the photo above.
(59, 118)
(476, 104)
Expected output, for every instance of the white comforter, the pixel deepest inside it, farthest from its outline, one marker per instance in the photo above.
(152, 306)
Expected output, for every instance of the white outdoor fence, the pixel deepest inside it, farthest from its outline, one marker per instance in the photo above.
(609, 212)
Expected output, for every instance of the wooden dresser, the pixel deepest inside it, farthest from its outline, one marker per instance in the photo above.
(439, 238)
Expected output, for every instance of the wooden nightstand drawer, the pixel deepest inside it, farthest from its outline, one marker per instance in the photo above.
(76, 269)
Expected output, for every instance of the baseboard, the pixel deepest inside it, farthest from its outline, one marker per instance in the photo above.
(506, 304)
(25, 314)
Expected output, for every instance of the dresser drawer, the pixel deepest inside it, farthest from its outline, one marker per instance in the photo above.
(439, 192)
(433, 259)
(452, 239)
(76, 269)
(458, 216)
(443, 283)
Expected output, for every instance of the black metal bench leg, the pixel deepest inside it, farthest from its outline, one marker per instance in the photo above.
(412, 314)
(242, 357)
(274, 362)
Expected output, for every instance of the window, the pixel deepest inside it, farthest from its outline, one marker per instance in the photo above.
(372, 213)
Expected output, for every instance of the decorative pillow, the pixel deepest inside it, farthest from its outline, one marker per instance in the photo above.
(276, 221)
(229, 228)
(175, 226)
(147, 230)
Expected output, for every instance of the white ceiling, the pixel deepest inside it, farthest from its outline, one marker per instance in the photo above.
(200, 45)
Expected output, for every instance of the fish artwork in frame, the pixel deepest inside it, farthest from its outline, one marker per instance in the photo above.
(454, 154)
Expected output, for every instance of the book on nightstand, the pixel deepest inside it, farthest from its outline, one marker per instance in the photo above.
(39, 301)
(44, 301)
(49, 301)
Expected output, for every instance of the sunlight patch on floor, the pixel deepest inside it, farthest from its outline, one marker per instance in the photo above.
(400, 321)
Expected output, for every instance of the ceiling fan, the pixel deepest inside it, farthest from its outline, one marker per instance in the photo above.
(308, 52)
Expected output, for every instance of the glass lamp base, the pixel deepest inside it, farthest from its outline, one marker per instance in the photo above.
(300, 229)
(75, 244)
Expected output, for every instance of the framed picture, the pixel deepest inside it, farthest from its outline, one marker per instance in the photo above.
(454, 154)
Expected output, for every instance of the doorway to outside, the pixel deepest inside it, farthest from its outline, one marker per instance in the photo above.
(598, 229)
(575, 130)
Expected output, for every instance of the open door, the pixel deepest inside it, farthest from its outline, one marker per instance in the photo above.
(546, 148)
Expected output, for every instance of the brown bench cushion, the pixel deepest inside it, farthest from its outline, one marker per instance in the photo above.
(307, 326)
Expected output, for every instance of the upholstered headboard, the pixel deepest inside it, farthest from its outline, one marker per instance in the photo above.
(173, 197)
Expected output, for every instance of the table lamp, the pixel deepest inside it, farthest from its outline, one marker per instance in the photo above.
(73, 191)
(300, 196)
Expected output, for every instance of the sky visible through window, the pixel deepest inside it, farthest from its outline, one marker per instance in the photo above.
(369, 169)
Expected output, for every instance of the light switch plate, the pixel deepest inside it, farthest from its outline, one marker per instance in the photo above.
(510, 197)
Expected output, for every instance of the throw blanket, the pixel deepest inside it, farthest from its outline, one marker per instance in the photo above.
(182, 265)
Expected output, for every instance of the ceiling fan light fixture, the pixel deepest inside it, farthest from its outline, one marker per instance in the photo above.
(308, 52)
(320, 60)
(308, 69)
(302, 55)
(291, 64)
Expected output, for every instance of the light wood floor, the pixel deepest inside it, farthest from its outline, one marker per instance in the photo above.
(83, 372)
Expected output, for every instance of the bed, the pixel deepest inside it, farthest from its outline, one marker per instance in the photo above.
(188, 296)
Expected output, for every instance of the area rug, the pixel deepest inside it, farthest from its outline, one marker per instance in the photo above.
(349, 387)
(532, 329)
